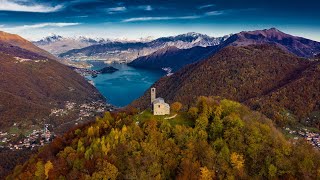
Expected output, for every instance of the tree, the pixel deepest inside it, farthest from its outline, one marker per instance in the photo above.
(106, 171)
(40, 170)
(202, 122)
(91, 131)
(193, 112)
(77, 132)
(206, 174)
(176, 106)
(272, 170)
(237, 161)
(47, 167)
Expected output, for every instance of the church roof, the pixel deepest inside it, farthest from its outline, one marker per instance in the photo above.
(158, 100)
(161, 100)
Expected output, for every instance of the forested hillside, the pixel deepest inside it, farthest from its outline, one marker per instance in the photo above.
(264, 77)
(216, 139)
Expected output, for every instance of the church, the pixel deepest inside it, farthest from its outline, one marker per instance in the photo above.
(159, 106)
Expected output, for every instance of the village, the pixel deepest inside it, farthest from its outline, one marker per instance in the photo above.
(44, 133)
(33, 140)
(312, 137)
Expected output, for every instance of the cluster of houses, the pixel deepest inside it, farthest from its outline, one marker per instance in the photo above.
(35, 139)
(40, 137)
(20, 60)
(85, 110)
(312, 137)
(85, 72)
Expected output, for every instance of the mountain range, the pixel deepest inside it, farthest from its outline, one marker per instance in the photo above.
(265, 77)
(57, 44)
(33, 84)
(176, 59)
(128, 51)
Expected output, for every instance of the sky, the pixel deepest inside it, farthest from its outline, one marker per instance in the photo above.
(133, 19)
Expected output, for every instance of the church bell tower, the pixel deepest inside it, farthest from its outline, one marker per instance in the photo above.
(153, 94)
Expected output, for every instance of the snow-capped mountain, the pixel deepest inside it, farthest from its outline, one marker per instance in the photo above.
(130, 50)
(57, 44)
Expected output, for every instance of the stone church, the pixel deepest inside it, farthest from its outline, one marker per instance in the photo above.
(159, 106)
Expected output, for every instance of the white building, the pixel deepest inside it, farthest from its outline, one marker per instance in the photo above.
(159, 106)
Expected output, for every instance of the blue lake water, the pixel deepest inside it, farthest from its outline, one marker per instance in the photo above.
(122, 87)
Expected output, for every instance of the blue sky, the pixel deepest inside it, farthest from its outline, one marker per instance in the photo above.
(132, 19)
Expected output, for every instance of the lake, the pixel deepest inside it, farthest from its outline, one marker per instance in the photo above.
(122, 87)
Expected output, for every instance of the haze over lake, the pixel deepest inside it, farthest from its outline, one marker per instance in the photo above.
(122, 87)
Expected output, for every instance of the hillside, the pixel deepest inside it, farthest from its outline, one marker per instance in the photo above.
(263, 74)
(171, 57)
(217, 139)
(18, 41)
(32, 85)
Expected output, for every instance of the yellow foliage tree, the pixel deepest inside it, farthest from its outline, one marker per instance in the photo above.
(47, 167)
(206, 174)
(39, 173)
(193, 112)
(90, 131)
(237, 161)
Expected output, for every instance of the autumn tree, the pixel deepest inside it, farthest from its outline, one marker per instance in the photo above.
(176, 106)
(40, 171)
(47, 167)
(193, 112)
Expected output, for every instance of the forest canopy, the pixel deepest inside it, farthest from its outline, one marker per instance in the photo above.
(222, 139)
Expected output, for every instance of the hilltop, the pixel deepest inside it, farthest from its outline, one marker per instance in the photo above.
(264, 77)
(299, 46)
(16, 40)
(217, 138)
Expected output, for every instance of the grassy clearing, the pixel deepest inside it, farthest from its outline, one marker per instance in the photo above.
(14, 130)
(180, 119)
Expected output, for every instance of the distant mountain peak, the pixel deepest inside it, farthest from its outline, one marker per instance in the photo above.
(194, 34)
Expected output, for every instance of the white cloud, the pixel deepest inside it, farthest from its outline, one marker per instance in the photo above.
(13, 5)
(81, 16)
(158, 18)
(214, 13)
(206, 6)
(137, 19)
(145, 7)
(116, 9)
(37, 26)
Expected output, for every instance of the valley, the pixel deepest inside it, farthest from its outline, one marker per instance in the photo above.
(157, 90)
(65, 96)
